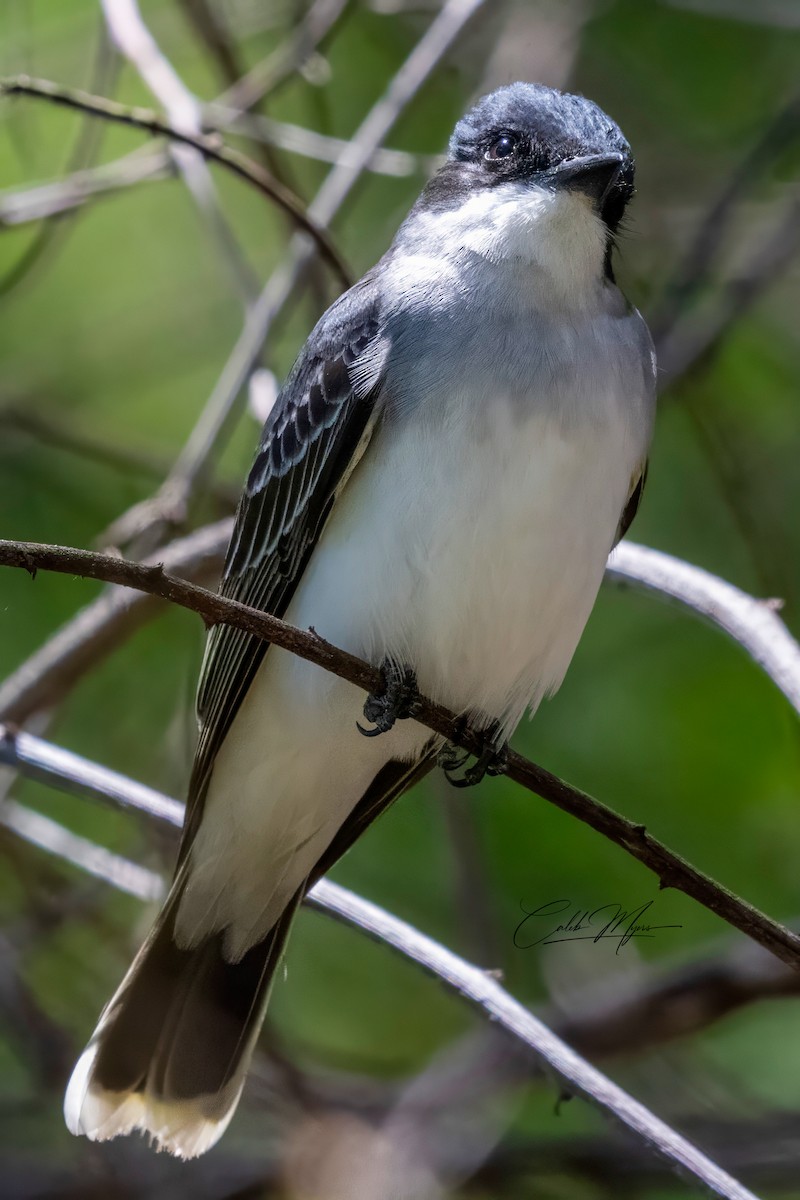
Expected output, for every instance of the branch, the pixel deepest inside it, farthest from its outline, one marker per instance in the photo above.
(64, 195)
(95, 860)
(671, 869)
(628, 1015)
(22, 205)
(103, 625)
(695, 267)
(265, 76)
(168, 507)
(573, 1073)
(753, 624)
(210, 146)
(310, 143)
(679, 354)
(135, 41)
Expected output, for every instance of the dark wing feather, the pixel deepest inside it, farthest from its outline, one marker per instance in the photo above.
(632, 506)
(311, 441)
(390, 783)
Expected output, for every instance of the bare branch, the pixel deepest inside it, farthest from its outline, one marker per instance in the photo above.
(263, 78)
(103, 864)
(210, 146)
(169, 506)
(64, 195)
(684, 351)
(484, 993)
(20, 206)
(184, 112)
(311, 144)
(671, 869)
(103, 625)
(753, 624)
(694, 269)
(630, 1014)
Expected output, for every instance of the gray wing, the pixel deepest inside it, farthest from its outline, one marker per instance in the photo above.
(314, 436)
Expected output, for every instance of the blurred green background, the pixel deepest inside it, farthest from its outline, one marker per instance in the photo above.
(113, 337)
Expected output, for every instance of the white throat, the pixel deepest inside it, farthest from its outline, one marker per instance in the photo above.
(557, 234)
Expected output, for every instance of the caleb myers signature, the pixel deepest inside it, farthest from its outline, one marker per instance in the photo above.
(607, 921)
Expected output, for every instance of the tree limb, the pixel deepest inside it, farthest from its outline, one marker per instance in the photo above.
(481, 990)
(753, 624)
(671, 869)
(184, 111)
(210, 146)
(104, 624)
(168, 507)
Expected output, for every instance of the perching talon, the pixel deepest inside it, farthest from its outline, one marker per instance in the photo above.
(492, 760)
(398, 700)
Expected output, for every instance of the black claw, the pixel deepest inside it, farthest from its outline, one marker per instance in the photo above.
(492, 760)
(452, 758)
(398, 700)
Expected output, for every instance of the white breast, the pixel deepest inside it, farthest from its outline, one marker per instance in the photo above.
(469, 543)
(474, 552)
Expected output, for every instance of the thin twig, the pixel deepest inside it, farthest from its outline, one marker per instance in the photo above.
(49, 237)
(43, 679)
(209, 145)
(631, 1014)
(693, 344)
(184, 112)
(20, 206)
(266, 76)
(168, 507)
(753, 624)
(671, 869)
(309, 143)
(103, 864)
(693, 271)
(574, 1075)
(64, 195)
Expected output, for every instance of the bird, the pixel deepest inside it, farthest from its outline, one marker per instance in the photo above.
(458, 447)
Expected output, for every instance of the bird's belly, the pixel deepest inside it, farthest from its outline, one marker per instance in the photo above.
(474, 554)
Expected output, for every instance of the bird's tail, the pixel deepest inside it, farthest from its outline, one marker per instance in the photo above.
(172, 1046)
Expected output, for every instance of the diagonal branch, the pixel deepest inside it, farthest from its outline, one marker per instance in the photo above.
(695, 268)
(574, 1075)
(169, 505)
(104, 624)
(289, 57)
(753, 624)
(210, 146)
(671, 869)
(135, 41)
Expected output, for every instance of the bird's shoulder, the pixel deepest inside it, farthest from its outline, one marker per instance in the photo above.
(327, 400)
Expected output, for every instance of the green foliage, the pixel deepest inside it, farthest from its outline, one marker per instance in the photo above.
(118, 334)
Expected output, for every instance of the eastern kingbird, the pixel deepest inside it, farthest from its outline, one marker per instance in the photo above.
(459, 445)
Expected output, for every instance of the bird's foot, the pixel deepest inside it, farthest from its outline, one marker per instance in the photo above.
(398, 700)
(492, 759)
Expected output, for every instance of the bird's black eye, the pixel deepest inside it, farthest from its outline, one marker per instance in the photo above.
(501, 146)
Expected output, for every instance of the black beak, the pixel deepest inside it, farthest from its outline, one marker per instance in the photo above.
(592, 174)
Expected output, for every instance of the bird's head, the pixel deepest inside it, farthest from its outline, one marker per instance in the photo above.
(534, 174)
